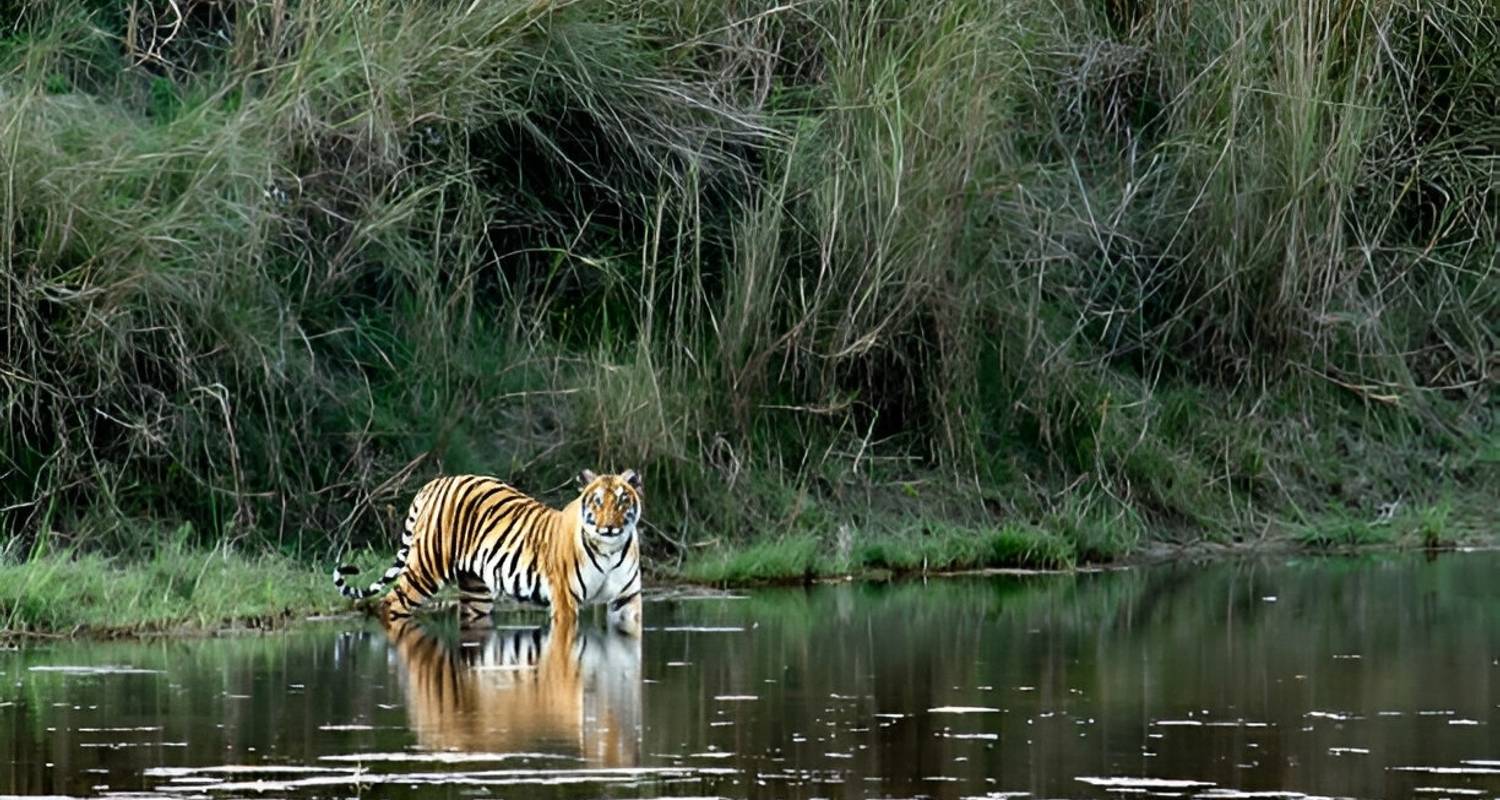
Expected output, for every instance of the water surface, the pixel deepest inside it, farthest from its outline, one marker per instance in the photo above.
(1298, 676)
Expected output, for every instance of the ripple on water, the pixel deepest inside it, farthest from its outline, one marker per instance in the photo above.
(67, 669)
(313, 778)
(1121, 782)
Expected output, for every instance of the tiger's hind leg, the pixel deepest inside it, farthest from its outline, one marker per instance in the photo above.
(407, 594)
(475, 602)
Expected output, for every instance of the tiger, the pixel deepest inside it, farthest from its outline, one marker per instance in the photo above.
(561, 688)
(495, 541)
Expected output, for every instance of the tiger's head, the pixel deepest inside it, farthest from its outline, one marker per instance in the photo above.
(609, 506)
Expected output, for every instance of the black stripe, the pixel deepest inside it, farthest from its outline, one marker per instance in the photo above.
(472, 527)
(490, 538)
(486, 520)
(633, 575)
(423, 581)
(462, 509)
(619, 602)
(429, 550)
(589, 548)
(518, 523)
(510, 563)
(515, 537)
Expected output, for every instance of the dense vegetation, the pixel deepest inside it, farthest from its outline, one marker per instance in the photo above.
(1039, 280)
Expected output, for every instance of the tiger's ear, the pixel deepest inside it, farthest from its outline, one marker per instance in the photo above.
(586, 477)
(634, 479)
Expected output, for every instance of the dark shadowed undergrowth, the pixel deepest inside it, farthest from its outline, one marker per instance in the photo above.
(855, 286)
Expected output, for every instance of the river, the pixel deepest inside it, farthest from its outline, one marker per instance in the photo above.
(1274, 677)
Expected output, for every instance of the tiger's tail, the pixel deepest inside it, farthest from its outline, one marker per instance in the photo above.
(397, 567)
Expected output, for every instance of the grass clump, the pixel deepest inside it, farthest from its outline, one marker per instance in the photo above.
(1344, 532)
(946, 547)
(939, 547)
(791, 557)
(178, 587)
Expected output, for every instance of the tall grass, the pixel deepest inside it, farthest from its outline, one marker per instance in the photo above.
(1124, 265)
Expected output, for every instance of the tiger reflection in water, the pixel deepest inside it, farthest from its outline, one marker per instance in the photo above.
(557, 689)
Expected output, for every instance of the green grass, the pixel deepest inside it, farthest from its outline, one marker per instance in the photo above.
(1441, 524)
(180, 588)
(790, 558)
(933, 548)
(1343, 532)
(1123, 272)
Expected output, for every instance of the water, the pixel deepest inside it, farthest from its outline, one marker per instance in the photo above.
(1361, 678)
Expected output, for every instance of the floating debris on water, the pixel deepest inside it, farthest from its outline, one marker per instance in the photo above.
(95, 670)
(122, 745)
(498, 777)
(440, 757)
(1336, 716)
(1144, 783)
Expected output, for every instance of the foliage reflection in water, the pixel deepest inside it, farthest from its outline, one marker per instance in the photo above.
(1360, 678)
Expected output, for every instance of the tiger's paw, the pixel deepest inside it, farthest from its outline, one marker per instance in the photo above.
(627, 619)
(390, 616)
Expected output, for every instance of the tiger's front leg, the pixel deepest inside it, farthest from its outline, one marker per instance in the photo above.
(625, 614)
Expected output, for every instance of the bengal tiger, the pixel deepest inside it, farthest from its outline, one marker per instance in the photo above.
(563, 688)
(494, 540)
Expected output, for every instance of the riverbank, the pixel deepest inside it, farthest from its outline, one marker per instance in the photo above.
(185, 590)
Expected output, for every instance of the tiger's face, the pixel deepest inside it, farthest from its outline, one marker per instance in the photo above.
(609, 507)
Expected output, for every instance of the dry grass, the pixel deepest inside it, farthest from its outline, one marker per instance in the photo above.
(1190, 266)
